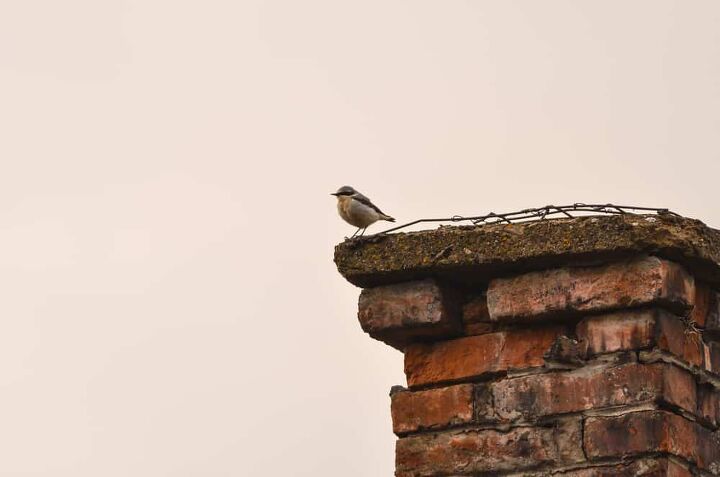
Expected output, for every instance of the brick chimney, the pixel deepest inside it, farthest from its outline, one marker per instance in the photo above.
(572, 347)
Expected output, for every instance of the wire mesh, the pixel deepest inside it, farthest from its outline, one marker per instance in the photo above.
(542, 213)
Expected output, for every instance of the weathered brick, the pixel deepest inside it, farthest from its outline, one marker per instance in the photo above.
(651, 431)
(679, 388)
(708, 407)
(471, 451)
(401, 313)
(638, 282)
(707, 309)
(674, 337)
(676, 470)
(472, 356)
(712, 357)
(648, 467)
(641, 329)
(618, 331)
(533, 396)
(702, 304)
(433, 408)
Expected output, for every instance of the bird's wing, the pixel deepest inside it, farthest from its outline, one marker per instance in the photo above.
(365, 201)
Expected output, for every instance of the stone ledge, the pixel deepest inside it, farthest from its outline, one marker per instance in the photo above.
(473, 255)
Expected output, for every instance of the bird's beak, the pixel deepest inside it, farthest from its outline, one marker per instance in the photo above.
(334, 193)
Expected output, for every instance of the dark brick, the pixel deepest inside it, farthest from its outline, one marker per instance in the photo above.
(708, 398)
(472, 329)
(651, 431)
(649, 467)
(472, 451)
(475, 309)
(712, 315)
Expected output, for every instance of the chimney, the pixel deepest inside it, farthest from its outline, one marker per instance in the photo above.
(577, 347)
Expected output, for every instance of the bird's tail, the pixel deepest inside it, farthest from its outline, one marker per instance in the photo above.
(388, 218)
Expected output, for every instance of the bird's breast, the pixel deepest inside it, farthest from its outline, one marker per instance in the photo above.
(360, 215)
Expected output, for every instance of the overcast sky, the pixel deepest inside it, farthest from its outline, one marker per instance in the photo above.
(168, 301)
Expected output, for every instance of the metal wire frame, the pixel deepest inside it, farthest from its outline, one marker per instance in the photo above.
(541, 213)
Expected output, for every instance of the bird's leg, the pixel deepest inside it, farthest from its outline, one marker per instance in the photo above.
(363, 232)
(353, 235)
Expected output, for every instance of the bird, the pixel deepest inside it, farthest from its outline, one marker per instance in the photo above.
(358, 210)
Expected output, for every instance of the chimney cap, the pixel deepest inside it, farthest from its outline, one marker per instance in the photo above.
(470, 255)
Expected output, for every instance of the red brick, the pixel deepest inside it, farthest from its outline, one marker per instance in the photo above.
(533, 396)
(675, 337)
(473, 356)
(679, 388)
(401, 313)
(641, 329)
(473, 451)
(433, 408)
(651, 431)
(676, 470)
(638, 282)
(619, 331)
(703, 302)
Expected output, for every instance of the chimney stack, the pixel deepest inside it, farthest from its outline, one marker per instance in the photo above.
(575, 347)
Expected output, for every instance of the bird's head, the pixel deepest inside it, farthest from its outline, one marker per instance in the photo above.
(344, 191)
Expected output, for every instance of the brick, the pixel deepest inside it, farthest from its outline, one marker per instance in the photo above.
(702, 304)
(641, 329)
(712, 357)
(431, 409)
(676, 470)
(679, 388)
(648, 467)
(674, 337)
(618, 331)
(651, 431)
(484, 405)
(472, 451)
(708, 407)
(707, 313)
(475, 310)
(638, 282)
(473, 356)
(401, 313)
(534, 396)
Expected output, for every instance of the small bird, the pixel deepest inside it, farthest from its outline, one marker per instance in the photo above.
(357, 210)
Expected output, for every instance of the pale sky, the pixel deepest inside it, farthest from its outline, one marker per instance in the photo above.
(169, 304)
